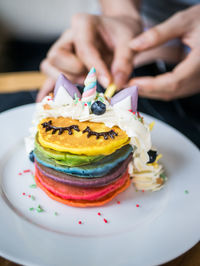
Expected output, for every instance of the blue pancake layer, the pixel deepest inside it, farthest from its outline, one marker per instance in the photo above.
(96, 169)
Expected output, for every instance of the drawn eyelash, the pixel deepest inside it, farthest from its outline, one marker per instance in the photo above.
(48, 126)
(107, 134)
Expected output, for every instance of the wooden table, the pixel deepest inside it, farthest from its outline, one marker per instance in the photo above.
(12, 82)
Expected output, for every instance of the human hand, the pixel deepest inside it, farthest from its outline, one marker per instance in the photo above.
(184, 80)
(101, 42)
(61, 58)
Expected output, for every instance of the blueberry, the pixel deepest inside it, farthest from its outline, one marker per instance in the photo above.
(152, 156)
(98, 108)
(31, 156)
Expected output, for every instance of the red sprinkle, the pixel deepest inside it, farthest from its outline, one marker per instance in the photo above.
(20, 174)
(23, 193)
(27, 171)
(29, 196)
(137, 205)
(85, 104)
(79, 99)
(134, 113)
(99, 213)
(105, 221)
(130, 110)
(118, 202)
(143, 190)
(79, 222)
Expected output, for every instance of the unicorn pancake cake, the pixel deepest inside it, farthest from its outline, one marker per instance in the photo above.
(88, 149)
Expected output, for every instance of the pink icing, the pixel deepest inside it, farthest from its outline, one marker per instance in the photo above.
(89, 92)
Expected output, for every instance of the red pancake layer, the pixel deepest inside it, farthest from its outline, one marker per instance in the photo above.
(82, 203)
(69, 192)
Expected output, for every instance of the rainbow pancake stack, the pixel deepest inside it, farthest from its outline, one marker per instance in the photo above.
(86, 147)
(81, 163)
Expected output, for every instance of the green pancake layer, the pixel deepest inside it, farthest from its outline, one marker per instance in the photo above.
(64, 158)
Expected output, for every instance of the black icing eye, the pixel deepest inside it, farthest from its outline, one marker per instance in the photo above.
(98, 108)
(152, 156)
(31, 156)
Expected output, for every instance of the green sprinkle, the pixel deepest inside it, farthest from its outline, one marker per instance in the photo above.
(186, 192)
(75, 96)
(140, 119)
(55, 213)
(32, 197)
(163, 176)
(31, 209)
(101, 99)
(39, 209)
(33, 186)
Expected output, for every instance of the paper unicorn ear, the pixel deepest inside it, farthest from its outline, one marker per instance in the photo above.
(89, 92)
(126, 99)
(64, 91)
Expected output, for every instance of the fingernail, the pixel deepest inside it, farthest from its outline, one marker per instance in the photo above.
(137, 43)
(120, 79)
(104, 81)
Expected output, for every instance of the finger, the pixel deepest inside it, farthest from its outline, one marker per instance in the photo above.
(183, 81)
(91, 57)
(47, 87)
(172, 28)
(122, 64)
(66, 61)
(187, 75)
(86, 47)
(160, 87)
(47, 68)
(62, 55)
(65, 41)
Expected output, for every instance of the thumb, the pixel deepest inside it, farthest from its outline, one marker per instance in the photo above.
(122, 64)
(47, 87)
(168, 30)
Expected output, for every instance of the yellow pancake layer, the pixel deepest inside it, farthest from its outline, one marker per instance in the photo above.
(78, 142)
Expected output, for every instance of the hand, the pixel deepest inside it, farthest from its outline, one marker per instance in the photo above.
(98, 41)
(61, 58)
(102, 42)
(184, 80)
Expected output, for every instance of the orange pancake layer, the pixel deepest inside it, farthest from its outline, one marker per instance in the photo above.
(85, 203)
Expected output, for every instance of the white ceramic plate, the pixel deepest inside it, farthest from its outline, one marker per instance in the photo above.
(165, 225)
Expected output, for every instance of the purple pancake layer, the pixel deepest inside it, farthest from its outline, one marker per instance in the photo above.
(85, 182)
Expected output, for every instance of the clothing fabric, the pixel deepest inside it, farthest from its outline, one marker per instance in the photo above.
(160, 10)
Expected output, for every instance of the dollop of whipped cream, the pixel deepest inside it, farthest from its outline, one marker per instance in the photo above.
(144, 175)
(147, 176)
